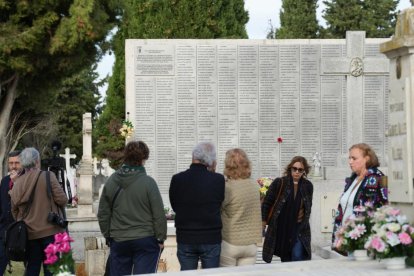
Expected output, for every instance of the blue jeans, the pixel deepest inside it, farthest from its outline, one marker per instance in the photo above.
(36, 256)
(298, 251)
(137, 256)
(189, 255)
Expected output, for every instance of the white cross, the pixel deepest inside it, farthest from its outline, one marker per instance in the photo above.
(354, 66)
(67, 157)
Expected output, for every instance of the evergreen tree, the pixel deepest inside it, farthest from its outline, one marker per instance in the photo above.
(148, 19)
(376, 17)
(298, 19)
(41, 43)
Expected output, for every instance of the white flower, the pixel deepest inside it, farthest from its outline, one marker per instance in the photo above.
(392, 239)
(394, 227)
(402, 219)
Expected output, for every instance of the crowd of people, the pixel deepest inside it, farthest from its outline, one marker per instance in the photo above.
(219, 217)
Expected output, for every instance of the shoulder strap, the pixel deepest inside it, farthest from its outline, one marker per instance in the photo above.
(272, 209)
(49, 195)
(29, 203)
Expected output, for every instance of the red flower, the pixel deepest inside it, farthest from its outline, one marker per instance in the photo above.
(279, 139)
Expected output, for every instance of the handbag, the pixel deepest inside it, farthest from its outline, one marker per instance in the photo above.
(272, 209)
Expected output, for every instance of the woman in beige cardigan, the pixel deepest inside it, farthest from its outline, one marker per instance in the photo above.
(240, 212)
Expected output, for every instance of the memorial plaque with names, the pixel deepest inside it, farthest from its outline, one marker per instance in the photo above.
(247, 93)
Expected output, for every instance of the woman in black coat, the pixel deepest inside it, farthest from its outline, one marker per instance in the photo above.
(288, 234)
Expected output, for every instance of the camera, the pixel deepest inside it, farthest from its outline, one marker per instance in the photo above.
(54, 218)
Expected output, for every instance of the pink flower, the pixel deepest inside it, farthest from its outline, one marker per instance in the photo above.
(378, 244)
(405, 238)
(62, 237)
(394, 212)
(51, 249)
(51, 259)
(64, 247)
(279, 140)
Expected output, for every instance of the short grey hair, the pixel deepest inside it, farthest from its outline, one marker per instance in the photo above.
(29, 157)
(205, 152)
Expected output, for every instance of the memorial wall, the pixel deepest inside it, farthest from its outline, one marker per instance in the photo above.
(316, 95)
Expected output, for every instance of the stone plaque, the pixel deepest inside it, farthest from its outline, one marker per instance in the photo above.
(248, 93)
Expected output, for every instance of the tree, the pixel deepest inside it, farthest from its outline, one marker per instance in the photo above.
(148, 19)
(298, 19)
(376, 17)
(41, 43)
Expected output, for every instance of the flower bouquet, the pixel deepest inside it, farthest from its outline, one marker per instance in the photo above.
(391, 235)
(264, 184)
(127, 129)
(355, 231)
(59, 258)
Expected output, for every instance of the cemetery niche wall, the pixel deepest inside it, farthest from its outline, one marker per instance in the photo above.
(317, 95)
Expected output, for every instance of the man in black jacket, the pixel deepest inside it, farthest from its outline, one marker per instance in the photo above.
(6, 217)
(196, 196)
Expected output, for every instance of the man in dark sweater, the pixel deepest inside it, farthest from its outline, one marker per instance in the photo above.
(196, 196)
(6, 217)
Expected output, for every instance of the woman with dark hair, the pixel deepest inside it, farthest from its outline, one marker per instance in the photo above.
(240, 212)
(131, 215)
(286, 209)
(365, 185)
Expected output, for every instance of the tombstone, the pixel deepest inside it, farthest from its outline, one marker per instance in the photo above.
(317, 95)
(400, 133)
(107, 170)
(85, 192)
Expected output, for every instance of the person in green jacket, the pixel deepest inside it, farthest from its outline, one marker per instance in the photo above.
(133, 222)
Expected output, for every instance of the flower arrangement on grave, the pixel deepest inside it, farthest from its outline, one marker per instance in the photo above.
(127, 129)
(59, 255)
(356, 230)
(392, 236)
(169, 213)
(264, 184)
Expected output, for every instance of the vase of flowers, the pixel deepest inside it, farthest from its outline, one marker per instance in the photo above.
(59, 258)
(392, 236)
(264, 184)
(354, 233)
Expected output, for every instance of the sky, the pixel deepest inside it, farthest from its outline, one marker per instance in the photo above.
(260, 12)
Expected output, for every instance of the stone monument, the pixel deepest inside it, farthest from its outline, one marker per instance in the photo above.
(316, 160)
(85, 170)
(316, 95)
(400, 133)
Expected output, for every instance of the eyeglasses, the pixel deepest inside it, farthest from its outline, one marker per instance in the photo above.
(300, 170)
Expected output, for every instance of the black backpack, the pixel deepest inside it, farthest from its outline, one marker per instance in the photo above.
(16, 234)
(16, 240)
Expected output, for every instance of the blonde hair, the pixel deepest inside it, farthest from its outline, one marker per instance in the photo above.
(366, 150)
(237, 164)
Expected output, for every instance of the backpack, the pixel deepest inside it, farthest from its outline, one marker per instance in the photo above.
(16, 241)
(16, 237)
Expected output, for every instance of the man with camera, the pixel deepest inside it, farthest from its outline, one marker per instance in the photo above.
(40, 210)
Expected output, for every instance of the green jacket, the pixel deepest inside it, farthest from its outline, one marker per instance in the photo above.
(138, 210)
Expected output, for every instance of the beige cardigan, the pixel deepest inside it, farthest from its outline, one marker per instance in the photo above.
(241, 213)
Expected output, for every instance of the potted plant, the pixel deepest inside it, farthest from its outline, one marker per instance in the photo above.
(352, 236)
(391, 238)
(59, 258)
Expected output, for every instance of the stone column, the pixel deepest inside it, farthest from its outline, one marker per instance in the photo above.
(400, 51)
(86, 170)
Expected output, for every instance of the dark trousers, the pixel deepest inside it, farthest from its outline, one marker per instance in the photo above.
(36, 256)
(138, 256)
(189, 254)
(3, 258)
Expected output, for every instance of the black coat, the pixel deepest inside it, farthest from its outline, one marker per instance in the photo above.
(196, 196)
(5, 206)
(304, 234)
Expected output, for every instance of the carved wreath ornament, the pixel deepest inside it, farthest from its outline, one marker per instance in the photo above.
(357, 67)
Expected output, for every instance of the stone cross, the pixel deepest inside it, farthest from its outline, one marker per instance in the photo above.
(67, 157)
(354, 66)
